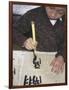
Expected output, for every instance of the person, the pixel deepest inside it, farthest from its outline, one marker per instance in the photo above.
(50, 33)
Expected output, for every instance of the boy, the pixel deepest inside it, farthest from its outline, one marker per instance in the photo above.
(49, 24)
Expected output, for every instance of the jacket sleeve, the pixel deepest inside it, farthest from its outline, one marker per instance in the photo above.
(22, 30)
(61, 45)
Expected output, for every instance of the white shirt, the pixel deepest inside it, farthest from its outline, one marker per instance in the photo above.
(54, 21)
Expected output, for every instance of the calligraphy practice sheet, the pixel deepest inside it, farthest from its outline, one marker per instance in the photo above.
(26, 73)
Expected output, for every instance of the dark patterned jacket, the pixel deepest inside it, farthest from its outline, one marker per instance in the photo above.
(50, 38)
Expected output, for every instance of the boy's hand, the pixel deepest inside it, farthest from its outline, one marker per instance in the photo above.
(57, 64)
(29, 44)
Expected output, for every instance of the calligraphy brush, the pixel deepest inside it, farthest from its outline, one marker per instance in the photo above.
(34, 40)
(35, 57)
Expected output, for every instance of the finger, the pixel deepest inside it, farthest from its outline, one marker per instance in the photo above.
(28, 46)
(31, 44)
(62, 68)
(34, 44)
(52, 69)
(55, 69)
(52, 63)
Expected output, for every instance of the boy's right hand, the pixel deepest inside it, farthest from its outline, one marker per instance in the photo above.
(29, 44)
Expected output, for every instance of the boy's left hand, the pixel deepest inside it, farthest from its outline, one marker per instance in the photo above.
(57, 64)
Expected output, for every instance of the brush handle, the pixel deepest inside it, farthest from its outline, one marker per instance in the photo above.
(33, 31)
(33, 35)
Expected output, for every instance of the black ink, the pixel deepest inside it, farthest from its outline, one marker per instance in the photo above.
(25, 80)
(40, 79)
(36, 63)
(32, 80)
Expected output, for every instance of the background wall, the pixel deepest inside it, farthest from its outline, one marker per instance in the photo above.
(4, 43)
(22, 9)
